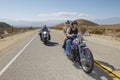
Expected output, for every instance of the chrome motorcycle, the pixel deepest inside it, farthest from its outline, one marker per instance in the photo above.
(81, 53)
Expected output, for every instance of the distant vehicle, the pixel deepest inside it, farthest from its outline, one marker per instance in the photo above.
(45, 35)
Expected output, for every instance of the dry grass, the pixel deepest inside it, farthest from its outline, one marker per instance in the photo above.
(14, 30)
(108, 30)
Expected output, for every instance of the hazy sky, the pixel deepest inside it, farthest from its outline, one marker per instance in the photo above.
(39, 10)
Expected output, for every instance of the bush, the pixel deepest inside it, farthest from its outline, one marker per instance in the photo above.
(83, 30)
(118, 35)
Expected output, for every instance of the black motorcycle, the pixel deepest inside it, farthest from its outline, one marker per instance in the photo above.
(81, 53)
(45, 36)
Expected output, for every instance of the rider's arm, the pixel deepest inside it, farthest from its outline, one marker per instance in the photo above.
(68, 32)
(64, 32)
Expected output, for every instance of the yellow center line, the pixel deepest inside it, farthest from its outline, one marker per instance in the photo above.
(115, 75)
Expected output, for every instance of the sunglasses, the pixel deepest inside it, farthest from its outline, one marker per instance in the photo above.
(75, 24)
(67, 23)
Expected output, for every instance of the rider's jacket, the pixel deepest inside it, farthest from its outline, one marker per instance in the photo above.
(73, 31)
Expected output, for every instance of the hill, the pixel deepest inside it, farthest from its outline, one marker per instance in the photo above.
(81, 22)
(4, 25)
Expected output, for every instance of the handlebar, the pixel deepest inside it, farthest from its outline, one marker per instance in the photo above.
(72, 36)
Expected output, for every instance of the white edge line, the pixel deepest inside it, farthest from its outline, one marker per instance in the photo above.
(7, 66)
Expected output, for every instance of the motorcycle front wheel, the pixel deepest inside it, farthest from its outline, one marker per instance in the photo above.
(87, 61)
(45, 42)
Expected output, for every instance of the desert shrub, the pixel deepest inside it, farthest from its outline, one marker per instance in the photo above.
(97, 31)
(83, 30)
(118, 35)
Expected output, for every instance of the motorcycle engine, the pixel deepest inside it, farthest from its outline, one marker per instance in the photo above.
(74, 46)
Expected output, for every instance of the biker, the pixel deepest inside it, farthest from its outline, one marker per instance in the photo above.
(70, 31)
(44, 29)
(67, 25)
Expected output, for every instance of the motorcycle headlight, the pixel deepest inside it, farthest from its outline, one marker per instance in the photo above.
(44, 32)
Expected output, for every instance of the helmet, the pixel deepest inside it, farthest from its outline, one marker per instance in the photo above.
(74, 22)
(44, 26)
(75, 43)
(67, 22)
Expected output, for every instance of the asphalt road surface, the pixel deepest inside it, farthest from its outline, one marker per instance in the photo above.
(32, 60)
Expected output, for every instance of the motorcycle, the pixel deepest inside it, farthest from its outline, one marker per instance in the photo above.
(81, 54)
(45, 37)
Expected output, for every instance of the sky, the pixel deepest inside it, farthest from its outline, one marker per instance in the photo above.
(43, 10)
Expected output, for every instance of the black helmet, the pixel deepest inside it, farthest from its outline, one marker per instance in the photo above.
(67, 22)
(74, 22)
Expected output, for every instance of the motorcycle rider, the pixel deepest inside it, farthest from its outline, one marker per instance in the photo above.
(67, 25)
(44, 29)
(70, 31)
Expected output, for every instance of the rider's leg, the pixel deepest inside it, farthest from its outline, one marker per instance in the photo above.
(64, 44)
(41, 36)
(49, 37)
(68, 44)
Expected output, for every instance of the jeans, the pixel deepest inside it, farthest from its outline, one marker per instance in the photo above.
(64, 44)
(68, 44)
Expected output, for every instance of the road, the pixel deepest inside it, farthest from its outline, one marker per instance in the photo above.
(37, 61)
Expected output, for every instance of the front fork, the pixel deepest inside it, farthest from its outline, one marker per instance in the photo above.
(81, 53)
